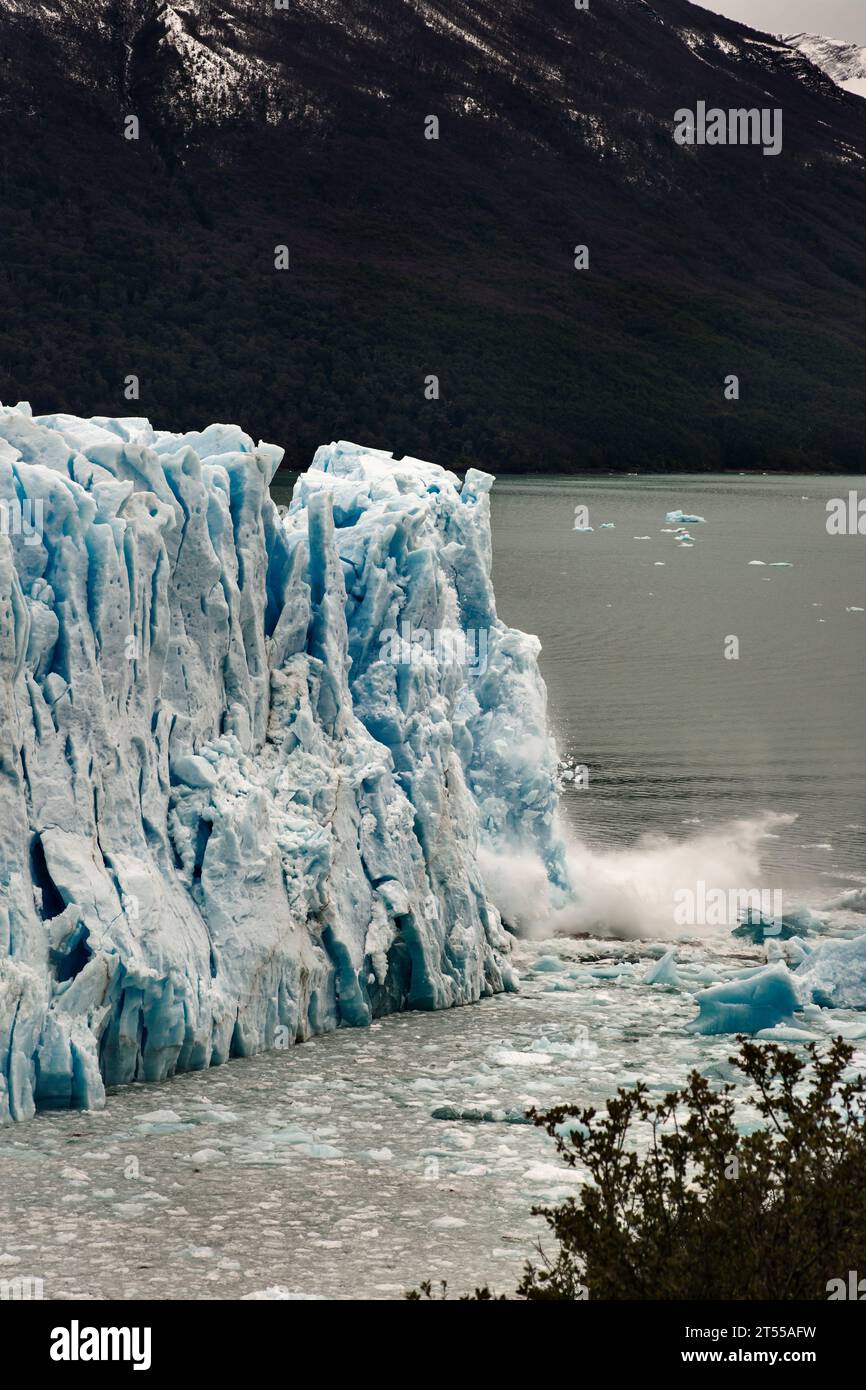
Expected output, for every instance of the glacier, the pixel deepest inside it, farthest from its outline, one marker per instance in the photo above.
(233, 814)
(756, 998)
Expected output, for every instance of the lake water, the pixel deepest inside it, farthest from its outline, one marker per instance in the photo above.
(633, 655)
(322, 1171)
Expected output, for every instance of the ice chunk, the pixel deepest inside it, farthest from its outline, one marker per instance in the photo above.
(279, 1294)
(684, 518)
(758, 928)
(835, 974)
(547, 964)
(664, 971)
(752, 1001)
(507, 1057)
(194, 771)
(793, 951)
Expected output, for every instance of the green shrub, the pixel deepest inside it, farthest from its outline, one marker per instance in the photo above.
(705, 1211)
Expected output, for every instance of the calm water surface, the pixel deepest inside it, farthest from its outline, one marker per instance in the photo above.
(633, 656)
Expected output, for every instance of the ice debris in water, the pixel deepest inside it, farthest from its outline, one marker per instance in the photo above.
(829, 975)
(547, 964)
(757, 927)
(685, 518)
(248, 757)
(835, 974)
(277, 1293)
(664, 971)
(753, 1000)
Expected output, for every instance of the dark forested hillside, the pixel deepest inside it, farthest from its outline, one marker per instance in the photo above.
(411, 258)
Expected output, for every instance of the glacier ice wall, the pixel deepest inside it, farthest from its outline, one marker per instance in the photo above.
(245, 763)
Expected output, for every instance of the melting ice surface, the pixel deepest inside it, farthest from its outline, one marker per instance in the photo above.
(228, 820)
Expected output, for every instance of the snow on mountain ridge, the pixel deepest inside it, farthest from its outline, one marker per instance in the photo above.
(205, 65)
(842, 61)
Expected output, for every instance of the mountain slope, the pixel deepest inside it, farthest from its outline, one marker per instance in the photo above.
(844, 62)
(413, 258)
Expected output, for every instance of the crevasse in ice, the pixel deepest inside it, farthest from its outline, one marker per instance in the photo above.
(245, 757)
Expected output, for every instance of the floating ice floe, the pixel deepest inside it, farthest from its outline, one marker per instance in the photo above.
(547, 963)
(663, 972)
(473, 1115)
(685, 518)
(830, 975)
(793, 950)
(278, 1293)
(753, 1000)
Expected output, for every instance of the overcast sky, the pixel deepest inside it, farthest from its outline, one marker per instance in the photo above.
(839, 19)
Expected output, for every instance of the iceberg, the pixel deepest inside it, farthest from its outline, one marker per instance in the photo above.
(758, 928)
(249, 756)
(830, 975)
(684, 518)
(835, 973)
(752, 1001)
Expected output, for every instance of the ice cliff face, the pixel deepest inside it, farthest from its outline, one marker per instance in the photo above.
(246, 758)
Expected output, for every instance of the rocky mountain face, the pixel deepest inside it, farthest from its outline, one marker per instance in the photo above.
(430, 169)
